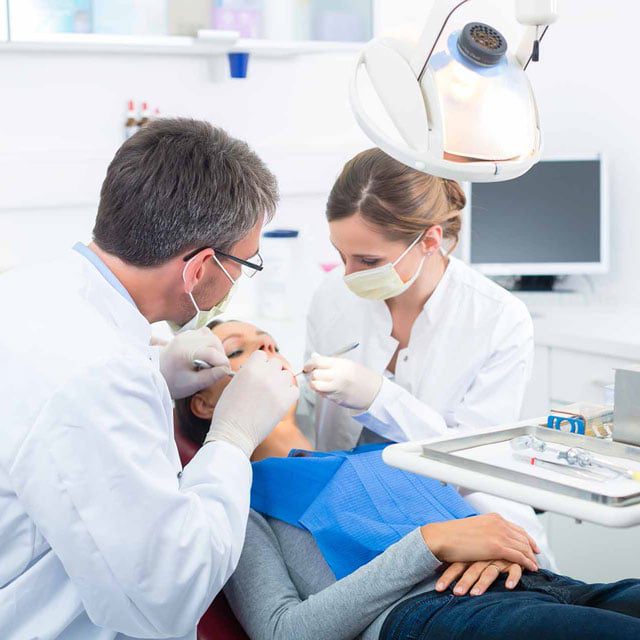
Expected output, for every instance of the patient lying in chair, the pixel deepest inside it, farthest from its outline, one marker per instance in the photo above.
(453, 575)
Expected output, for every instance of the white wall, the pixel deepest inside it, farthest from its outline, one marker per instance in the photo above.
(588, 94)
(61, 118)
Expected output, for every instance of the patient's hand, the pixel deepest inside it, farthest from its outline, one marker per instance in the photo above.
(478, 576)
(479, 538)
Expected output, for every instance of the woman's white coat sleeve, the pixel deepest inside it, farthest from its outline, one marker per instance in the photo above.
(146, 549)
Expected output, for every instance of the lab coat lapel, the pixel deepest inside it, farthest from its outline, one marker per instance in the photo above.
(378, 343)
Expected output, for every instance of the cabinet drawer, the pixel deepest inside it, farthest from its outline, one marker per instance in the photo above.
(576, 376)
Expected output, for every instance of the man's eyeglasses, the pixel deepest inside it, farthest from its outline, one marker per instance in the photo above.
(249, 267)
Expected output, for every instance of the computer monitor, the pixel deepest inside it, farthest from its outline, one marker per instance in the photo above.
(552, 221)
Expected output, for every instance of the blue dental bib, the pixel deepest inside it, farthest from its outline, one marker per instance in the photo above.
(353, 504)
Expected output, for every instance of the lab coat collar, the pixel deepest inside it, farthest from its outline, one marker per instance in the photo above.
(107, 274)
(109, 296)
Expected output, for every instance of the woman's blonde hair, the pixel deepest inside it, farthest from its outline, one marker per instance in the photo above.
(400, 201)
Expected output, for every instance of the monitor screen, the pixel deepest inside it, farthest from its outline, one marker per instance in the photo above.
(549, 215)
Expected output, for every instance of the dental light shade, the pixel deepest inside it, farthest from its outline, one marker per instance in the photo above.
(462, 105)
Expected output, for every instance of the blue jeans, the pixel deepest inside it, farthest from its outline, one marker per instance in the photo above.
(544, 606)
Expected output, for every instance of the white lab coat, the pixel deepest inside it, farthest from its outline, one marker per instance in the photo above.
(466, 367)
(101, 534)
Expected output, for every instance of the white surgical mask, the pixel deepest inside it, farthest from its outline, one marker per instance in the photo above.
(202, 318)
(382, 283)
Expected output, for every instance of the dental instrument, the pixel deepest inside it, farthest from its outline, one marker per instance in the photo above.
(558, 467)
(337, 354)
(199, 365)
(461, 101)
(575, 456)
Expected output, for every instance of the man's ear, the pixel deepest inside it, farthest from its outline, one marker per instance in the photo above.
(201, 407)
(194, 270)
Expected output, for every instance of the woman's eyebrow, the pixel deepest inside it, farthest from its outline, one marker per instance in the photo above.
(232, 335)
(357, 255)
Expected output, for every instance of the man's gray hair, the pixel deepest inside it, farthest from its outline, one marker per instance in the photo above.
(178, 185)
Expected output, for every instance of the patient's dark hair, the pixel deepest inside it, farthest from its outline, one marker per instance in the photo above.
(191, 425)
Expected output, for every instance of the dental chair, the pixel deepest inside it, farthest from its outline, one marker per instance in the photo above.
(218, 622)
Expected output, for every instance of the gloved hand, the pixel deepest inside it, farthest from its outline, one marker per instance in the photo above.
(253, 403)
(345, 382)
(176, 362)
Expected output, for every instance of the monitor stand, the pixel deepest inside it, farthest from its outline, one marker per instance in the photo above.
(535, 283)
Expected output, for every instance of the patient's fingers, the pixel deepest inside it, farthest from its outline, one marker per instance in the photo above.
(488, 577)
(470, 577)
(513, 555)
(522, 532)
(452, 572)
(524, 547)
(515, 573)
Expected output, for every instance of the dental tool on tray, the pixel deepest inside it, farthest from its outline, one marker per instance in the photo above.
(575, 458)
(558, 467)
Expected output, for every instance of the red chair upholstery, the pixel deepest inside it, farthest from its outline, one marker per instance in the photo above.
(218, 622)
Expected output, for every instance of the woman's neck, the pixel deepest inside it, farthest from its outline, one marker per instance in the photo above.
(413, 300)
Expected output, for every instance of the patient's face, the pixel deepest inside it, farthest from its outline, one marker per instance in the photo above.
(240, 340)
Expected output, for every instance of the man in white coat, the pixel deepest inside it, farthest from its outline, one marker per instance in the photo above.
(102, 533)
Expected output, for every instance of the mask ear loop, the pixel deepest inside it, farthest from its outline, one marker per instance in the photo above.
(189, 293)
(413, 244)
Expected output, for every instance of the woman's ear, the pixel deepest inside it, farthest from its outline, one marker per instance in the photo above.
(432, 240)
(201, 407)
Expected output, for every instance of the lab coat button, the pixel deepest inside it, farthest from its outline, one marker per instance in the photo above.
(179, 474)
(406, 358)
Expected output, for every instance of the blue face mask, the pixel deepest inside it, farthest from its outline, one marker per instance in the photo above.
(202, 318)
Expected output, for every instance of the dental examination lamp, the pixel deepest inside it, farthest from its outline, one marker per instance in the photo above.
(461, 102)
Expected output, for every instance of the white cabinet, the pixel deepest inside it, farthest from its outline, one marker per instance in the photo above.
(580, 376)
(536, 400)
(591, 552)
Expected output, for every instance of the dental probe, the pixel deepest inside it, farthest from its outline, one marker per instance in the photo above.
(199, 365)
(338, 353)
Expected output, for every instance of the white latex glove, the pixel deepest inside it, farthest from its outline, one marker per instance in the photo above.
(253, 403)
(176, 362)
(345, 382)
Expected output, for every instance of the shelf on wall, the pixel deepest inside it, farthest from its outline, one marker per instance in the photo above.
(276, 49)
(208, 43)
(219, 43)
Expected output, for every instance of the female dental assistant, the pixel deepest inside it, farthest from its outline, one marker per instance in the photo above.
(443, 350)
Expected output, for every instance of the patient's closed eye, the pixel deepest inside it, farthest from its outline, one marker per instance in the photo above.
(235, 354)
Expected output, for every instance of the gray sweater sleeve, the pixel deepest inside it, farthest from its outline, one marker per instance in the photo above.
(269, 607)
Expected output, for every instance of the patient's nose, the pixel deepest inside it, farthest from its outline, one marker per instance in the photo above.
(267, 344)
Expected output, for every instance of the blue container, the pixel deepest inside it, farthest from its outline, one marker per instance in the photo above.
(238, 64)
(567, 424)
